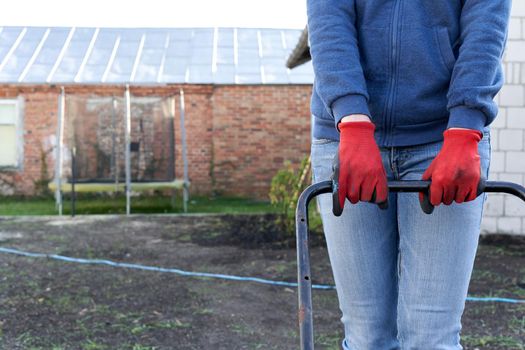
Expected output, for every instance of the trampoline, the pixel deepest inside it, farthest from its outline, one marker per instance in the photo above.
(118, 144)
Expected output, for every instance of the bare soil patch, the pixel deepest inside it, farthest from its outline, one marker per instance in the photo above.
(48, 304)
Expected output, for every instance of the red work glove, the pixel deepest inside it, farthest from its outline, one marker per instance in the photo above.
(455, 172)
(361, 171)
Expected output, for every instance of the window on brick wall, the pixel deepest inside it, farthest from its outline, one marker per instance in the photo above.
(9, 143)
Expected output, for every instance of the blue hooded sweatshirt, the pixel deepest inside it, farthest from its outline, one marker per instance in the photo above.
(416, 67)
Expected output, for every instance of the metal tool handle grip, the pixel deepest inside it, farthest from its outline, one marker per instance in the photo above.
(428, 208)
(393, 186)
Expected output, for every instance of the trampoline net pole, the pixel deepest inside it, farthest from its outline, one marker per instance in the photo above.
(128, 155)
(114, 157)
(59, 145)
(73, 180)
(185, 190)
(171, 126)
(171, 166)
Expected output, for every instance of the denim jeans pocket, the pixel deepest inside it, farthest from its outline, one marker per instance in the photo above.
(322, 154)
(321, 141)
(484, 150)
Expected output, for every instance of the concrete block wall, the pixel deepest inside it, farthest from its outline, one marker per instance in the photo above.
(504, 213)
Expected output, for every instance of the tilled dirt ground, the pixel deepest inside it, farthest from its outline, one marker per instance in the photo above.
(49, 304)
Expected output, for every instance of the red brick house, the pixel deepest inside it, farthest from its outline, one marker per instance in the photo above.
(245, 111)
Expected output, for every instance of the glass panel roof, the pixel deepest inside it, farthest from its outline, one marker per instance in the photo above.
(225, 37)
(155, 40)
(92, 73)
(248, 79)
(225, 55)
(200, 74)
(57, 38)
(203, 38)
(149, 56)
(68, 65)
(38, 73)
(247, 38)
(202, 55)
(146, 72)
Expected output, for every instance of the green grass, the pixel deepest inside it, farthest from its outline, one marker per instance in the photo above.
(92, 204)
(501, 341)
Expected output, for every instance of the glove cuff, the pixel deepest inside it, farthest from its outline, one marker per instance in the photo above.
(356, 130)
(462, 135)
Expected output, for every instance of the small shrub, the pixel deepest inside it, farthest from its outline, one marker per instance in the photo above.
(285, 189)
(41, 184)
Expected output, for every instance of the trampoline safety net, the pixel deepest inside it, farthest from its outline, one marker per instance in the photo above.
(95, 134)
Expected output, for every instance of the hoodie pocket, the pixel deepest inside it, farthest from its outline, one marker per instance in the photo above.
(424, 69)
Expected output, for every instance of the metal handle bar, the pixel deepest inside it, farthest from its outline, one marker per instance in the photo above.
(426, 206)
(303, 254)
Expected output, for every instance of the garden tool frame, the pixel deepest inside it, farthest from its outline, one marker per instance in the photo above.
(303, 254)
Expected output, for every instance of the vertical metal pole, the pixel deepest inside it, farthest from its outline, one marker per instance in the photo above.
(304, 277)
(114, 156)
(171, 125)
(73, 180)
(59, 145)
(306, 330)
(171, 165)
(184, 155)
(128, 150)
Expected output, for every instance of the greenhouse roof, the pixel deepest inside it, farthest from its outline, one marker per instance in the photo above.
(54, 55)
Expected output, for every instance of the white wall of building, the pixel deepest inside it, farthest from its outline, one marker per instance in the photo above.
(504, 213)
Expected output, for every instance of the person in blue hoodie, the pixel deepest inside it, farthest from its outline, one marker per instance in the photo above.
(404, 91)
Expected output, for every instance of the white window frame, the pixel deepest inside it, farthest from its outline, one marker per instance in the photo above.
(19, 108)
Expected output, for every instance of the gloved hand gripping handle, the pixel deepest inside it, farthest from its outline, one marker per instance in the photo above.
(393, 186)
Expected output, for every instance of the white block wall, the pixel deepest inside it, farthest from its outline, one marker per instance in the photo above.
(504, 213)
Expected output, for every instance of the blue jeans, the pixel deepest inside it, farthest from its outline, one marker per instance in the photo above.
(401, 275)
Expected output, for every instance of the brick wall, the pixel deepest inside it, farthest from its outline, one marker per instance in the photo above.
(504, 213)
(245, 132)
(255, 129)
(39, 120)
